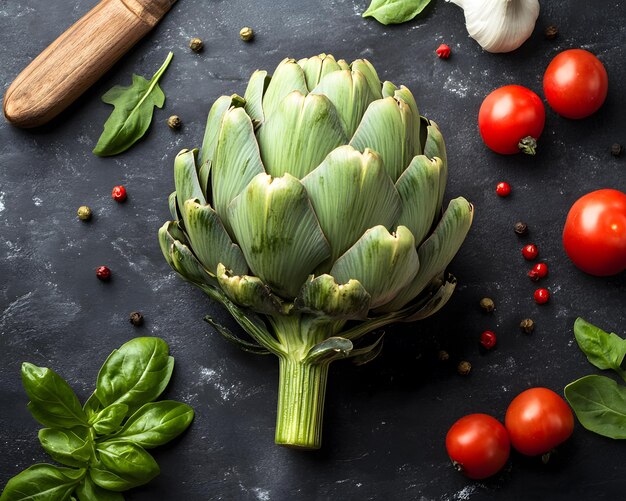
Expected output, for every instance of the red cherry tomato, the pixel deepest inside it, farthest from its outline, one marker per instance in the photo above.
(575, 83)
(537, 421)
(508, 115)
(478, 445)
(594, 235)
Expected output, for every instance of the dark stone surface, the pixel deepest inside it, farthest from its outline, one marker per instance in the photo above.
(385, 422)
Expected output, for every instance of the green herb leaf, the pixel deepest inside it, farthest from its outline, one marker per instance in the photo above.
(155, 424)
(53, 403)
(42, 482)
(604, 350)
(135, 374)
(599, 404)
(395, 11)
(132, 114)
(109, 419)
(123, 465)
(88, 491)
(92, 406)
(69, 447)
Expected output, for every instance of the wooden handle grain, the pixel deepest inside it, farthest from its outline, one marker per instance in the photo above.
(79, 57)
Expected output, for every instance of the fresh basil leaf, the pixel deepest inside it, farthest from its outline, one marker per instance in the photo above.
(92, 406)
(69, 447)
(123, 465)
(109, 419)
(599, 404)
(53, 403)
(88, 491)
(395, 11)
(135, 374)
(604, 350)
(132, 114)
(42, 482)
(155, 424)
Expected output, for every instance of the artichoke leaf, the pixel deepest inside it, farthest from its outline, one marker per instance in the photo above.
(436, 147)
(249, 292)
(343, 65)
(171, 202)
(418, 187)
(210, 241)
(365, 354)
(384, 263)
(287, 77)
(328, 350)
(213, 123)
(168, 234)
(389, 89)
(255, 348)
(437, 301)
(299, 135)
(237, 159)
(185, 263)
(278, 232)
(254, 95)
(365, 67)
(350, 94)
(413, 120)
(350, 193)
(317, 67)
(203, 178)
(186, 179)
(437, 250)
(323, 296)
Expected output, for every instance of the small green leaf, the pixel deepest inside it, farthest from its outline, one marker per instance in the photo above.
(132, 114)
(136, 373)
(248, 291)
(42, 482)
(599, 404)
(213, 124)
(155, 424)
(604, 350)
(287, 77)
(53, 403)
(69, 447)
(328, 350)
(109, 419)
(395, 11)
(316, 67)
(323, 296)
(123, 465)
(92, 406)
(88, 491)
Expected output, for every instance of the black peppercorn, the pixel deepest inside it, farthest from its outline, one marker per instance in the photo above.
(487, 304)
(443, 355)
(551, 32)
(520, 228)
(136, 318)
(616, 149)
(464, 368)
(527, 325)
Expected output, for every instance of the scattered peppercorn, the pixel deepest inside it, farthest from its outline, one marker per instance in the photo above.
(488, 339)
(464, 368)
(84, 213)
(196, 44)
(103, 273)
(503, 189)
(136, 318)
(541, 296)
(520, 228)
(551, 32)
(487, 304)
(246, 34)
(174, 122)
(616, 149)
(527, 325)
(443, 355)
(530, 252)
(540, 270)
(443, 51)
(118, 194)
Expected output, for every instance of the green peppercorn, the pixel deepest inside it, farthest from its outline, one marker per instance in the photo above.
(246, 34)
(527, 325)
(196, 44)
(464, 368)
(174, 122)
(84, 213)
(487, 304)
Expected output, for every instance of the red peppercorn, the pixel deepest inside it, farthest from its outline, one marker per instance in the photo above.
(538, 271)
(103, 273)
(488, 339)
(503, 189)
(443, 51)
(119, 193)
(530, 252)
(541, 296)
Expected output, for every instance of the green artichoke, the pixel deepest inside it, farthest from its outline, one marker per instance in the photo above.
(313, 213)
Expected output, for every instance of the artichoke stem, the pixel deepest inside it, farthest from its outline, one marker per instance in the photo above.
(301, 391)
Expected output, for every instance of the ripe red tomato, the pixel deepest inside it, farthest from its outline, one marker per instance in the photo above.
(508, 115)
(594, 235)
(478, 445)
(537, 421)
(575, 83)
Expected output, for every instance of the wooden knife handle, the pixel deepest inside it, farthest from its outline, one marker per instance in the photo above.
(79, 57)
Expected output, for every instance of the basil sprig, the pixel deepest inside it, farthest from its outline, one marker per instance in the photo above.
(103, 442)
(598, 401)
(395, 11)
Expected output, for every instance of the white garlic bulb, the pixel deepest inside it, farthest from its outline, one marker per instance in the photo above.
(499, 25)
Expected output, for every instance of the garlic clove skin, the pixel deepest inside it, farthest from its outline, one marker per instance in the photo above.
(499, 25)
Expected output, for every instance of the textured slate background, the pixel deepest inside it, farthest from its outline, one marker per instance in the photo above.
(385, 422)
